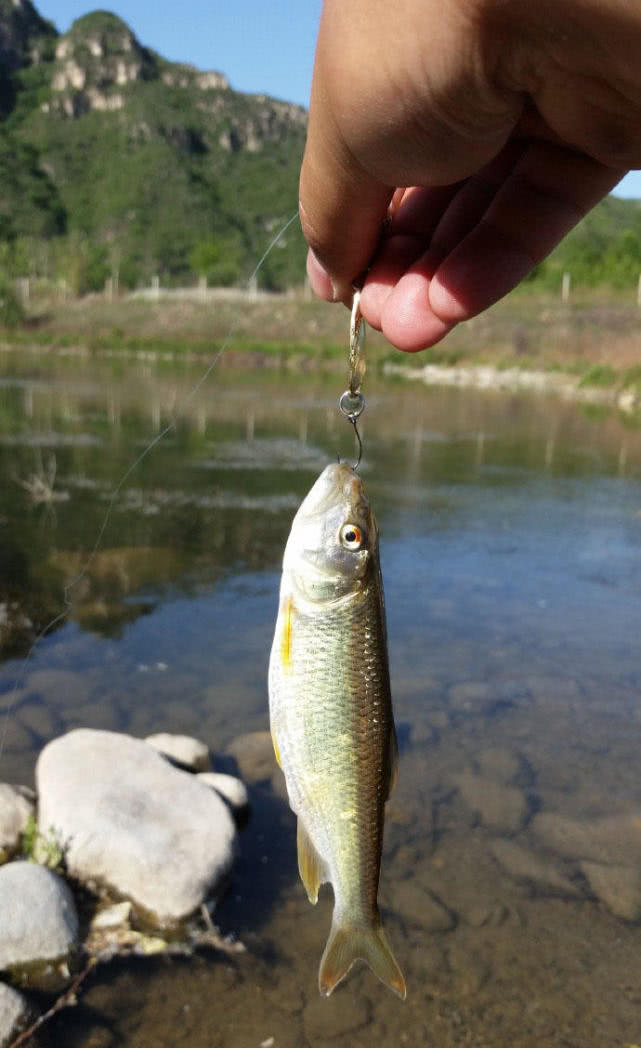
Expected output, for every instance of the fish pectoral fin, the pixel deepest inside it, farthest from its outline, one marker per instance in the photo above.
(346, 944)
(392, 761)
(310, 864)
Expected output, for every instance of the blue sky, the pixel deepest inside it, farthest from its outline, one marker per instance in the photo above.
(261, 46)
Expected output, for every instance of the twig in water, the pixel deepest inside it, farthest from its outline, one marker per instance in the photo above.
(64, 1001)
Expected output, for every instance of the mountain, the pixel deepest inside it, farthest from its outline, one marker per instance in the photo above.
(115, 161)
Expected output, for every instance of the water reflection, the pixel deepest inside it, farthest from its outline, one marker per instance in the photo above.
(511, 542)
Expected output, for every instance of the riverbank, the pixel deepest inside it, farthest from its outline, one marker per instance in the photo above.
(588, 348)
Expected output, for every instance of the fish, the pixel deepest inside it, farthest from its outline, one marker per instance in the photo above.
(331, 715)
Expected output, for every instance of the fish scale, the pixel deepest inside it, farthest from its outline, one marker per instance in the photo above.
(331, 716)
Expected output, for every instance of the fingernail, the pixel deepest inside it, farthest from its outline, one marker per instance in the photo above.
(319, 279)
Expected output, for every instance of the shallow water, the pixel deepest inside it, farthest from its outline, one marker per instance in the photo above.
(511, 550)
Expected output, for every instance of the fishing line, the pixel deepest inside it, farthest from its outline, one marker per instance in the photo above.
(171, 425)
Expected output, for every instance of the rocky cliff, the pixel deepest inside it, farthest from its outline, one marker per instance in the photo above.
(147, 160)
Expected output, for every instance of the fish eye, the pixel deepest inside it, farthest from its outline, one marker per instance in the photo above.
(351, 537)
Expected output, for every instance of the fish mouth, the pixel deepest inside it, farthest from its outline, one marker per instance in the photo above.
(338, 484)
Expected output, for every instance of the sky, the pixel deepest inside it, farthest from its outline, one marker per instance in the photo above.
(262, 47)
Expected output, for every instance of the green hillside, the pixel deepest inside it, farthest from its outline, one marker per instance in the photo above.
(117, 163)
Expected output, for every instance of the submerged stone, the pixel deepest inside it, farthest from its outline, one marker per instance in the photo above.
(500, 807)
(524, 864)
(619, 887)
(614, 840)
(130, 821)
(254, 755)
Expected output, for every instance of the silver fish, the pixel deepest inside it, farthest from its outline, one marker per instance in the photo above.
(331, 715)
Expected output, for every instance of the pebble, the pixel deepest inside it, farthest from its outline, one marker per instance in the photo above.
(499, 807)
(619, 887)
(190, 753)
(16, 807)
(419, 907)
(39, 924)
(132, 822)
(58, 688)
(499, 764)
(524, 864)
(254, 755)
(233, 790)
(15, 1014)
(345, 1012)
(612, 839)
(472, 697)
(112, 916)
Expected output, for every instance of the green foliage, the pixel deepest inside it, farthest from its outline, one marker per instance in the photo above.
(43, 848)
(11, 311)
(171, 178)
(599, 375)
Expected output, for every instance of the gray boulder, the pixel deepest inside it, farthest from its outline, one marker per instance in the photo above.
(16, 806)
(131, 822)
(233, 790)
(15, 1014)
(191, 753)
(38, 924)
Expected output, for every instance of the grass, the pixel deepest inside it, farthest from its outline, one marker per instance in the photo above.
(595, 337)
(600, 375)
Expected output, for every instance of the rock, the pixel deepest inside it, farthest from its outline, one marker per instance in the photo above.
(111, 916)
(501, 808)
(15, 1014)
(472, 697)
(58, 688)
(254, 755)
(191, 753)
(16, 807)
(525, 864)
(229, 787)
(470, 972)
(619, 887)
(420, 908)
(499, 764)
(343, 1013)
(545, 688)
(131, 821)
(39, 924)
(613, 839)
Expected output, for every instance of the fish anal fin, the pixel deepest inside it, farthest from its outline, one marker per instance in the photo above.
(392, 761)
(310, 864)
(349, 943)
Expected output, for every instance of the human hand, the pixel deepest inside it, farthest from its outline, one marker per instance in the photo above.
(508, 121)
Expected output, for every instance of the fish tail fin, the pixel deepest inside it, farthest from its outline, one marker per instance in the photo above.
(349, 942)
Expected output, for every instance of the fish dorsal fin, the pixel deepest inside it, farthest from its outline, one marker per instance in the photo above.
(392, 761)
(310, 864)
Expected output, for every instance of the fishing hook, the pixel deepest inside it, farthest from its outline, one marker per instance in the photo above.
(352, 406)
(352, 402)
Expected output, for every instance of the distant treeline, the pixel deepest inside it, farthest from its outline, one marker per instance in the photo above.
(604, 250)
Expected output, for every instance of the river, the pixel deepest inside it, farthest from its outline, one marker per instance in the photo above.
(511, 553)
